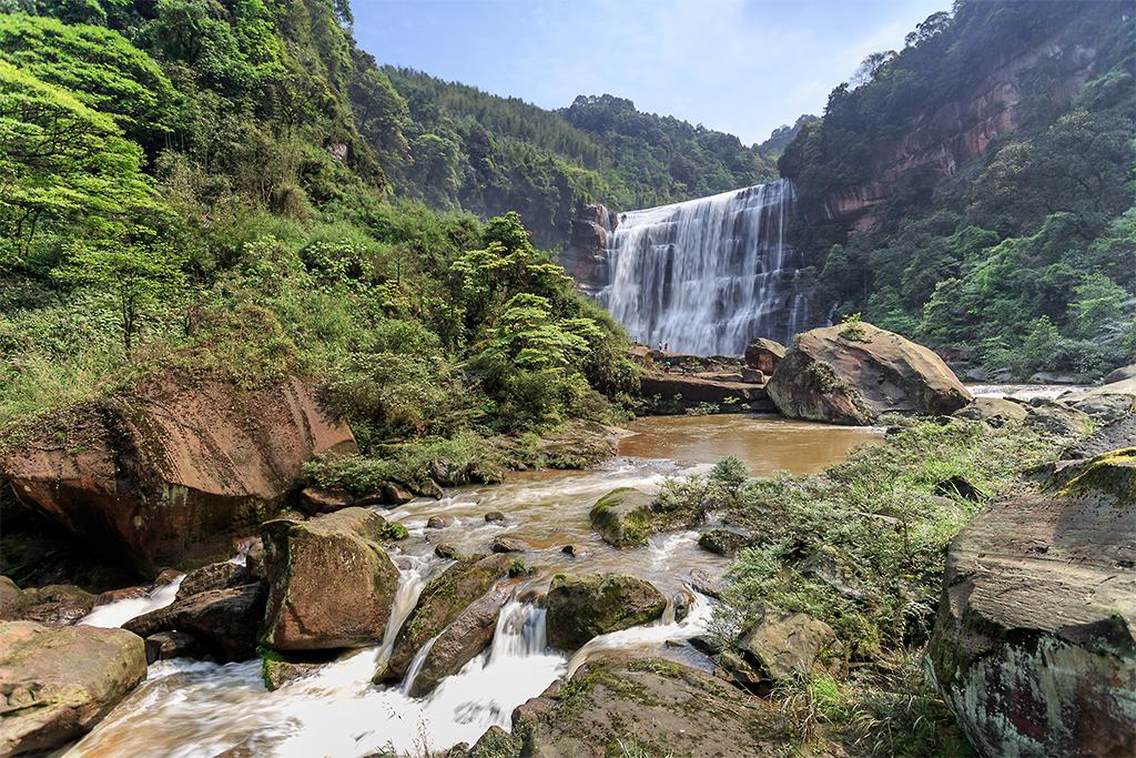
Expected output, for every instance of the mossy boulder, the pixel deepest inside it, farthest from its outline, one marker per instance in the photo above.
(441, 601)
(1058, 420)
(623, 517)
(58, 682)
(463, 639)
(331, 584)
(582, 607)
(1034, 645)
(781, 644)
(646, 707)
(853, 373)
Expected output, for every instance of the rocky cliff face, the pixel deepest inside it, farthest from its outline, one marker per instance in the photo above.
(955, 133)
(585, 255)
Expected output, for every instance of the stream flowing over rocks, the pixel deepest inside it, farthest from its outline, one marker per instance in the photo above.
(463, 642)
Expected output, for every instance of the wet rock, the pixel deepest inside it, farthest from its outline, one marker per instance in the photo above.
(438, 522)
(494, 517)
(162, 646)
(649, 706)
(496, 743)
(764, 354)
(959, 486)
(1058, 420)
(277, 672)
(853, 373)
(331, 584)
(215, 576)
(681, 602)
(123, 593)
(395, 494)
(506, 544)
(1053, 377)
(707, 644)
(59, 682)
(994, 411)
(725, 541)
(170, 467)
(708, 585)
(54, 605)
(780, 644)
(623, 517)
(1034, 644)
(445, 550)
(574, 550)
(443, 598)
(582, 607)
(464, 639)
(224, 621)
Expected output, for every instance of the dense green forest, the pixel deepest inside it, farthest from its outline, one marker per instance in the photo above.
(1026, 256)
(488, 154)
(206, 185)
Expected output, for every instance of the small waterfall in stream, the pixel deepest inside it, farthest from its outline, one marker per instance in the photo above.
(706, 276)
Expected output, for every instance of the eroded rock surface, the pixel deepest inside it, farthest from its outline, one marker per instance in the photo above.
(173, 467)
(1034, 644)
(223, 621)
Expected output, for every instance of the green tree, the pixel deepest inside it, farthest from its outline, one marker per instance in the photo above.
(64, 170)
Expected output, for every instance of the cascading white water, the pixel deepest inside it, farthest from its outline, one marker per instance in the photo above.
(706, 276)
(118, 612)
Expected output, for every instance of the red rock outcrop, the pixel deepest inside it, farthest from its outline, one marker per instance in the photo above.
(852, 373)
(174, 467)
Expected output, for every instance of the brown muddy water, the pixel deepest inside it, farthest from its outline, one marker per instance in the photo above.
(188, 708)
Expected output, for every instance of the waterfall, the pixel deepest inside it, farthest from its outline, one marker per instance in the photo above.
(706, 276)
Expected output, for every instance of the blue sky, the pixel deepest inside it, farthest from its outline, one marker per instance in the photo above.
(741, 66)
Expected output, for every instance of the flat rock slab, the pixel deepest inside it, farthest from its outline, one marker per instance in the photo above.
(646, 707)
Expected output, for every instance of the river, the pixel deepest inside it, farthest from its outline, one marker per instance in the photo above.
(191, 708)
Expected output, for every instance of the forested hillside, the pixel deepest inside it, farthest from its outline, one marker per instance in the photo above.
(206, 187)
(975, 189)
(487, 154)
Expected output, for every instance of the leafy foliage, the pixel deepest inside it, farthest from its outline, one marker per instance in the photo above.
(981, 256)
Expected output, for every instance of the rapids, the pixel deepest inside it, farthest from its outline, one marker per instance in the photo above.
(188, 708)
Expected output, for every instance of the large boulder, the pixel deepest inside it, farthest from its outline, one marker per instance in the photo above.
(173, 467)
(582, 607)
(853, 373)
(646, 707)
(331, 584)
(623, 517)
(441, 601)
(224, 622)
(57, 683)
(1034, 646)
(764, 354)
(464, 638)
